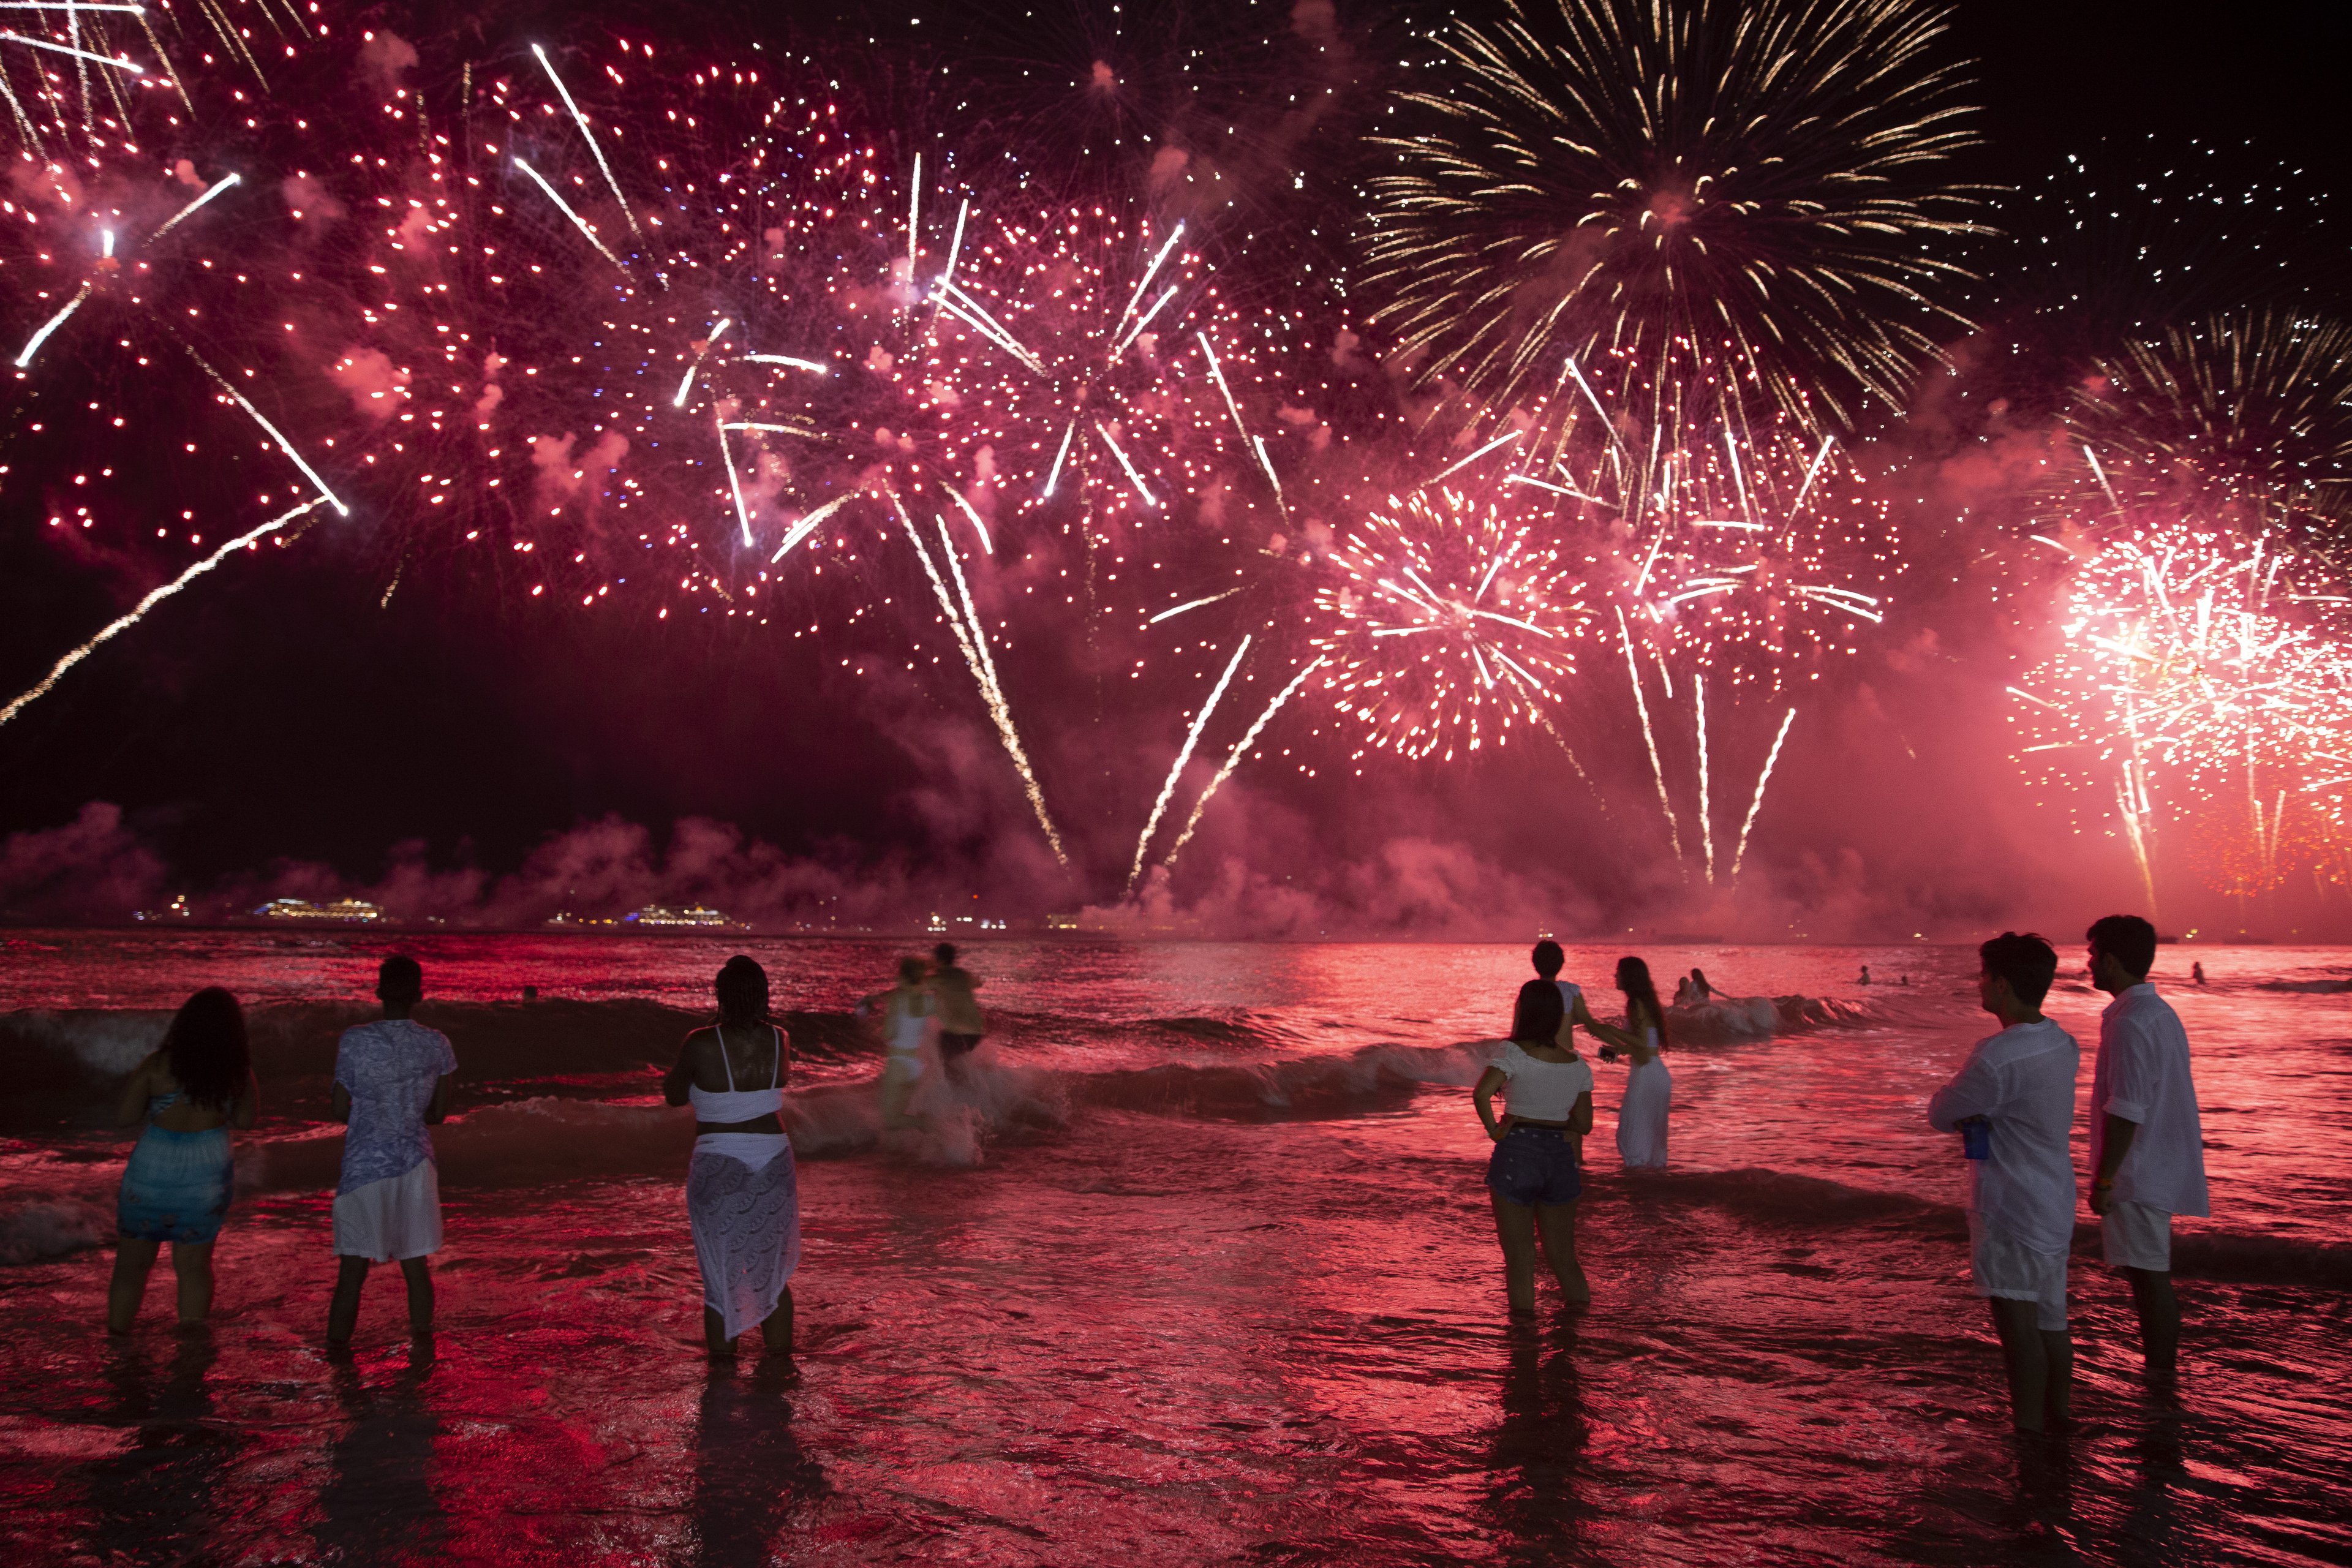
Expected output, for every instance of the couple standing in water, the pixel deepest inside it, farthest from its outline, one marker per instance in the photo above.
(392, 1079)
(1536, 1175)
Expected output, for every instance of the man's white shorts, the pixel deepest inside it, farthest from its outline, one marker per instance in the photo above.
(2004, 1267)
(397, 1217)
(2138, 1236)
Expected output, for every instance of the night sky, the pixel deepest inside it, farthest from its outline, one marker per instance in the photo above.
(283, 713)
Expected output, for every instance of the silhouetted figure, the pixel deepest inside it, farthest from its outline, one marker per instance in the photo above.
(391, 1080)
(2197, 972)
(1865, 975)
(1534, 1177)
(2013, 1101)
(742, 1189)
(190, 1091)
(962, 1025)
(2147, 1143)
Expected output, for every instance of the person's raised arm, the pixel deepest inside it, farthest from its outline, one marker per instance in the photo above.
(1579, 1121)
(131, 1104)
(1483, 1097)
(680, 1077)
(247, 1104)
(1582, 1014)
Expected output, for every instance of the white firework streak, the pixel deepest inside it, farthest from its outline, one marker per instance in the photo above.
(51, 325)
(1641, 706)
(224, 183)
(808, 525)
(590, 137)
(565, 208)
(138, 611)
(983, 676)
(283, 444)
(1234, 758)
(1756, 804)
(727, 456)
(1705, 825)
(1191, 739)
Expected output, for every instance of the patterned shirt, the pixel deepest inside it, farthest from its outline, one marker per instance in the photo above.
(390, 1068)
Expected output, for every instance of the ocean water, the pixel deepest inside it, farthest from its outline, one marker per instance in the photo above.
(1197, 1270)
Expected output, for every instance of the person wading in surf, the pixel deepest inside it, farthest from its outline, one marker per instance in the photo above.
(2013, 1102)
(1533, 1178)
(2147, 1146)
(742, 1190)
(189, 1091)
(962, 1025)
(391, 1079)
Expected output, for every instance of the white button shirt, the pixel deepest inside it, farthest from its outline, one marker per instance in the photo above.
(2142, 1074)
(2022, 1081)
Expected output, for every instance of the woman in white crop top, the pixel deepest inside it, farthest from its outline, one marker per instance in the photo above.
(742, 1191)
(1533, 1177)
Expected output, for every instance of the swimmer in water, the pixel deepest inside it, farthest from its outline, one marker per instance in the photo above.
(2197, 972)
(960, 1022)
(910, 1021)
(1865, 975)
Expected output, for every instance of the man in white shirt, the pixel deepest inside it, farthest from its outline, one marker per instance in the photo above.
(2147, 1147)
(391, 1080)
(2019, 1084)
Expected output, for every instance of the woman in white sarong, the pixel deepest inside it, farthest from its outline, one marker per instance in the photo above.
(742, 1192)
(1649, 1088)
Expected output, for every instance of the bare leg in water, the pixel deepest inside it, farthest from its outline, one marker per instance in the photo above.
(2041, 1365)
(1516, 1225)
(776, 1332)
(343, 1311)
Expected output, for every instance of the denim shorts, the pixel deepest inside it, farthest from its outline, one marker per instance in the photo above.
(1535, 1165)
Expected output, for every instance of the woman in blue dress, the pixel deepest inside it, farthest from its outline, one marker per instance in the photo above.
(190, 1091)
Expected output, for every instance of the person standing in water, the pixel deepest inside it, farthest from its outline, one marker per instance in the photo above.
(190, 1091)
(1549, 961)
(1649, 1088)
(960, 1022)
(2147, 1145)
(391, 1079)
(742, 1188)
(910, 1020)
(1865, 975)
(2013, 1102)
(1533, 1178)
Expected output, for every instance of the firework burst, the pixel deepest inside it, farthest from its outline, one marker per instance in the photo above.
(1603, 175)
(1446, 624)
(2248, 411)
(2203, 678)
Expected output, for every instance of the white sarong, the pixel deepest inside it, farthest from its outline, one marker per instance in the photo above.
(397, 1218)
(742, 1195)
(1641, 1116)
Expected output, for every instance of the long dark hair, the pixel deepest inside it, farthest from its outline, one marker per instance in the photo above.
(1536, 1016)
(206, 1049)
(1633, 980)
(742, 991)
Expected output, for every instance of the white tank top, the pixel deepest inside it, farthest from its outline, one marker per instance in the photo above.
(907, 1035)
(734, 1104)
(1541, 1090)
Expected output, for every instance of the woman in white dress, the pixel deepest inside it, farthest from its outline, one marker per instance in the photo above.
(1649, 1088)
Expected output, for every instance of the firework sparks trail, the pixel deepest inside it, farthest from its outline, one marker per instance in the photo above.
(1650, 738)
(154, 597)
(808, 525)
(590, 137)
(177, 218)
(734, 481)
(1770, 758)
(83, 54)
(1705, 813)
(283, 444)
(33, 344)
(565, 208)
(976, 657)
(1234, 758)
(1183, 756)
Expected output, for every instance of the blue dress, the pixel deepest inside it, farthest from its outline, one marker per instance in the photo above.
(176, 1185)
